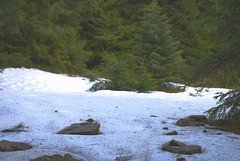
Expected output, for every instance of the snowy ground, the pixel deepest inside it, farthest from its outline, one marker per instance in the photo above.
(31, 96)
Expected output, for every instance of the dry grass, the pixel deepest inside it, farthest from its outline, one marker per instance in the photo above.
(226, 125)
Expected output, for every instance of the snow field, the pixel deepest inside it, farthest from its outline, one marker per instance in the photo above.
(32, 96)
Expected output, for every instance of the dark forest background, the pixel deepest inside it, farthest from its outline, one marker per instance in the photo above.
(137, 44)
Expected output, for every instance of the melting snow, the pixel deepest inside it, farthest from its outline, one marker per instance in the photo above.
(31, 97)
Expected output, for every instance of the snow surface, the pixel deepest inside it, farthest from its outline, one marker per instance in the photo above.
(31, 96)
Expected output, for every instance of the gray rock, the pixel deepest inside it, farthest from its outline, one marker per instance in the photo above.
(56, 157)
(13, 146)
(171, 133)
(176, 143)
(153, 115)
(90, 120)
(123, 158)
(188, 122)
(86, 128)
(18, 128)
(68, 155)
(177, 147)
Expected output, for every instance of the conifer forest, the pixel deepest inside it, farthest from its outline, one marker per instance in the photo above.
(137, 44)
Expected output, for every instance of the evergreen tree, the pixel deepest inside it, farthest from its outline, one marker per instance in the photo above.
(11, 40)
(197, 40)
(55, 44)
(225, 61)
(157, 46)
(228, 108)
(41, 34)
(126, 73)
(101, 27)
(11, 15)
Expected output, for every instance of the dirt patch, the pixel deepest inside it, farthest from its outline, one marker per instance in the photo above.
(13, 146)
(226, 125)
(54, 158)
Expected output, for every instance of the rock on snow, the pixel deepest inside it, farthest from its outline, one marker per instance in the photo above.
(46, 103)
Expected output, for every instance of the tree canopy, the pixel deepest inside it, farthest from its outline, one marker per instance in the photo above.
(138, 44)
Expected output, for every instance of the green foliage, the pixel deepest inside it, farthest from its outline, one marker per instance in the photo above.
(14, 59)
(11, 15)
(197, 39)
(145, 43)
(156, 45)
(229, 5)
(224, 63)
(144, 80)
(118, 72)
(12, 50)
(125, 74)
(228, 108)
(170, 87)
(103, 29)
(228, 58)
(45, 37)
(92, 76)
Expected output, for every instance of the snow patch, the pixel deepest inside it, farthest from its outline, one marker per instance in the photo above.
(32, 97)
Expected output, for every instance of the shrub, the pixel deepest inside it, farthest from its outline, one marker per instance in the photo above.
(91, 76)
(126, 74)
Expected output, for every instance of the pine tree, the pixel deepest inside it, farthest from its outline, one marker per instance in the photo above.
(11, 15)
(196, 38)
(228, 108)
(226, 61)
(126, 72)
(157, 46)
(11, 40)
(41, 34)
(103, 28)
